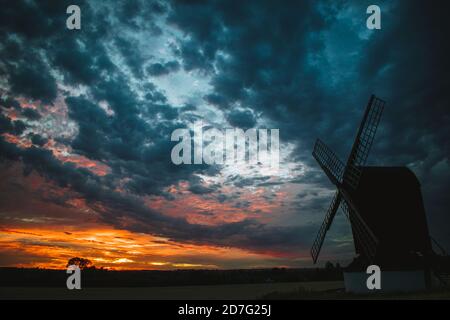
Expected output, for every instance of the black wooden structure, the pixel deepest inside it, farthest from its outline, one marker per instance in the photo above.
(383, 204)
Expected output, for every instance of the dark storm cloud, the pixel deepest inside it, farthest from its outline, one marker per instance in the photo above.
(18, 127)
(312, 74)
(23, 29)
(80, 61)
(30, 19)
(138, 14)
(160, 69)
(31, 114)
(153, 94)
(8, 126)
(93, 124)
(264, 68)
(9, 103)
(244, 119)
(201, 189)
(415, 81)
(120, 141)
(33, 81)
(38, 139)
(133, 58)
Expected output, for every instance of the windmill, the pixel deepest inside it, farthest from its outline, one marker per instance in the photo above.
(346, 178)
(385, 208)
(383, 204)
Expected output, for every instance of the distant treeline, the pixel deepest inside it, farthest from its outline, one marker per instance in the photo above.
(15, 277)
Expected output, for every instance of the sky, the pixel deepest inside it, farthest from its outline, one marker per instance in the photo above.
(86, 118)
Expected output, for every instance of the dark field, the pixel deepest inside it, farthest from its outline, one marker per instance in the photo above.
(270, 284)
(231, 292)
(20, 277)
(322, 290)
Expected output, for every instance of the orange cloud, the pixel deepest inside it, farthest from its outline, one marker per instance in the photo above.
(207, 210)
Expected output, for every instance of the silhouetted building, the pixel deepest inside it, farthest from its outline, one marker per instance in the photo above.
(385, 208)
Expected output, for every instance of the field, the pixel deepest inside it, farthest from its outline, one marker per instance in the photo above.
(232, 291)
(273, 284)
(270, 291)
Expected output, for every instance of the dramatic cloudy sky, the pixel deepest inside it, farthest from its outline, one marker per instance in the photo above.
(86, 118)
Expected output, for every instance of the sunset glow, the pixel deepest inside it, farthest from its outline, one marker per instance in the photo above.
(113, 249)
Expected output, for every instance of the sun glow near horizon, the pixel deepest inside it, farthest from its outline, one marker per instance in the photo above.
(116, 250)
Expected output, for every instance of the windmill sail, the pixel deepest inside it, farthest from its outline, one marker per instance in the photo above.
(363, 142)
(365, 237)
(329, 162)
(334, 206)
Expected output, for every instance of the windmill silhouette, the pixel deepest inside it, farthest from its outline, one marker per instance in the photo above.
(383, 204)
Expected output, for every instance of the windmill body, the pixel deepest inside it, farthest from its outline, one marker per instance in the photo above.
(390, 202)
(385, 209)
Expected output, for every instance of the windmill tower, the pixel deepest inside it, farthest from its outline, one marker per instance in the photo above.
(385, 209)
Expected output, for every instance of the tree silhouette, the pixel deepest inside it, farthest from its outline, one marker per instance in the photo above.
(82, 263)
(329, 266)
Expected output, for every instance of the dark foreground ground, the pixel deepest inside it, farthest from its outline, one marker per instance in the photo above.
(231, 291)
(189, 285)
(21, 277)
(271, 291)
